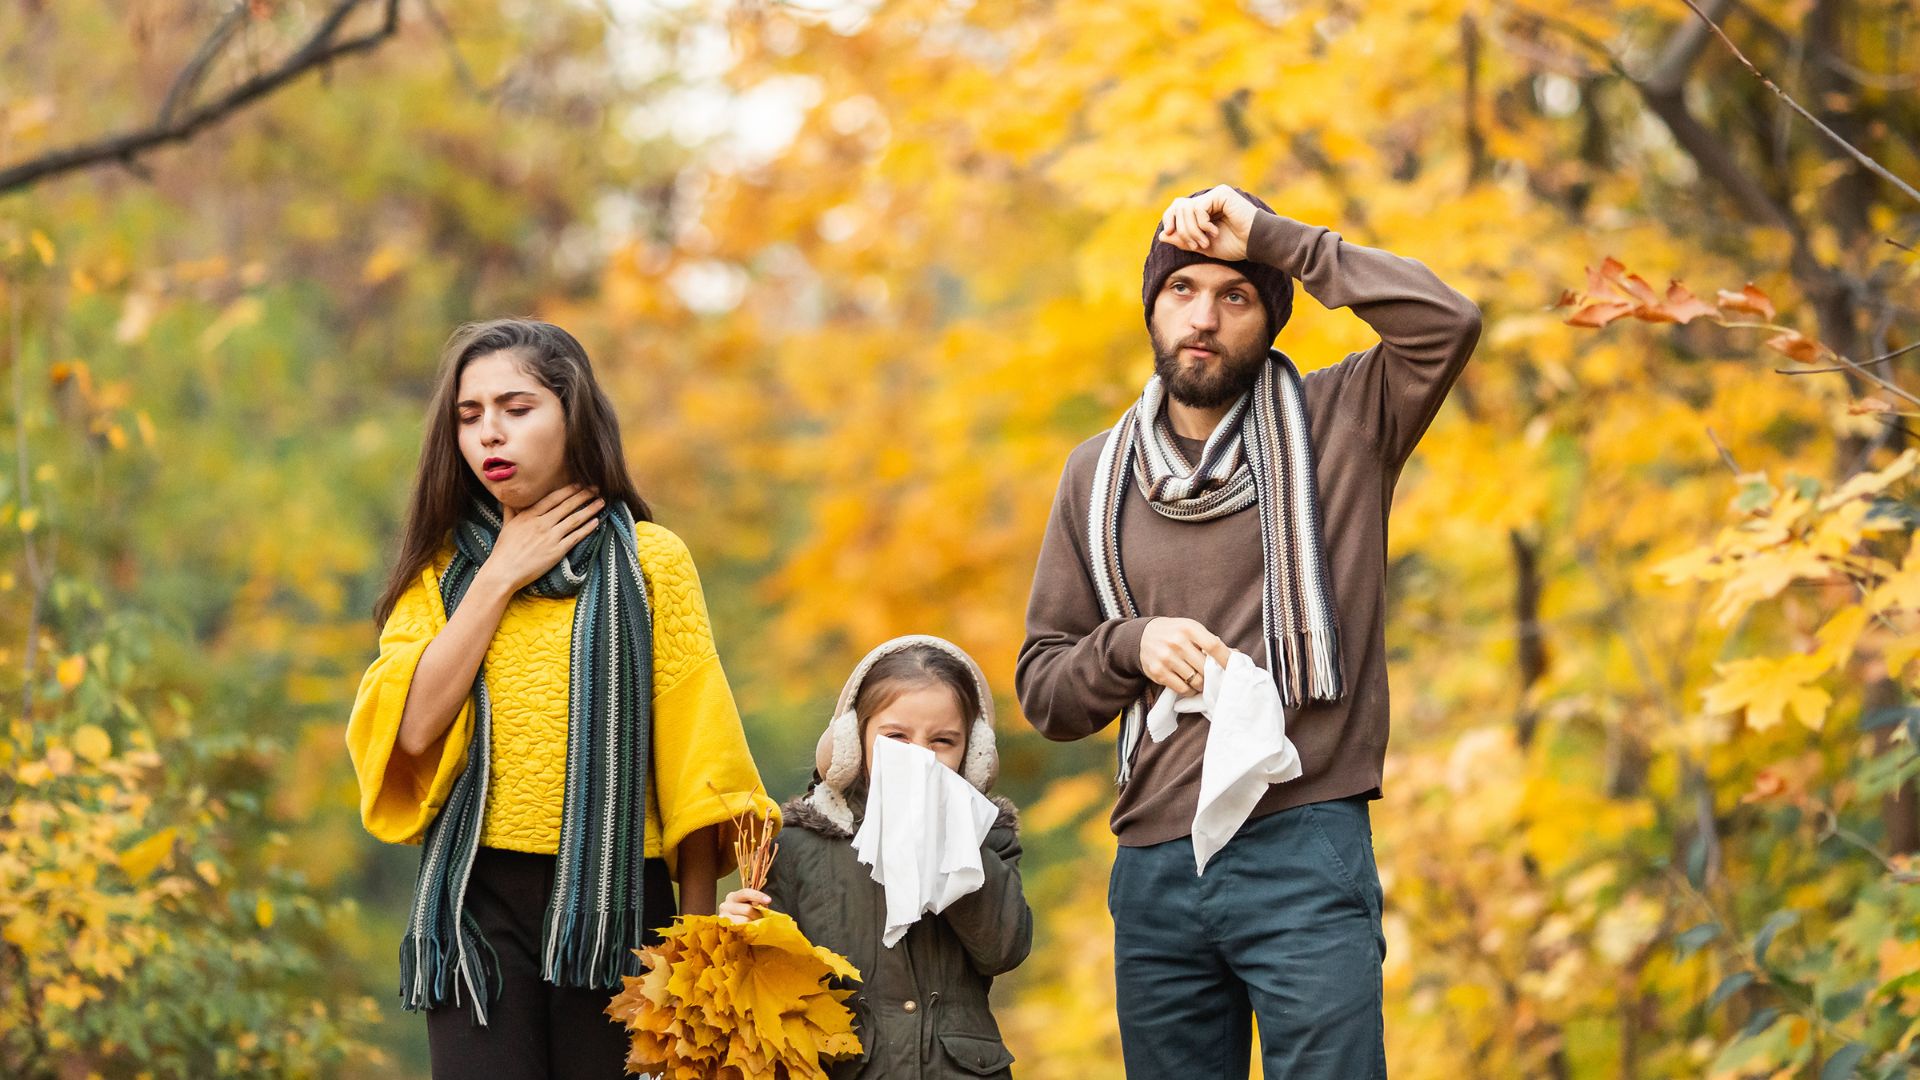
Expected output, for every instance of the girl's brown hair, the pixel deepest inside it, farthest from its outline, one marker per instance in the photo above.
(443, 484)
(912, 668)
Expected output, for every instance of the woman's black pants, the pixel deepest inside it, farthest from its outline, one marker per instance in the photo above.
(535, 1030)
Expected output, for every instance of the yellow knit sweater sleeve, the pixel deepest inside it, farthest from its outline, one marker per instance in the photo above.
(400, 793)
(703, 773)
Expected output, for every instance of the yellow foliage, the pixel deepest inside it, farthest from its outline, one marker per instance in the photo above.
(1764, 688)
(746, 1000)
(143, 858)
(90, 742)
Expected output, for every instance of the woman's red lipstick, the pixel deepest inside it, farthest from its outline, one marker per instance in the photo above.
(498, 469)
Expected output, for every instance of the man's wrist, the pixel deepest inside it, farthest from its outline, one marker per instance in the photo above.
(1123, 646)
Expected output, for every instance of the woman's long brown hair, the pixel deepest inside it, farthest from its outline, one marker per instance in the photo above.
(444, 485)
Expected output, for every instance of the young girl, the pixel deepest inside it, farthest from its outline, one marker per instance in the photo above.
(547, 716)
(921, 1006)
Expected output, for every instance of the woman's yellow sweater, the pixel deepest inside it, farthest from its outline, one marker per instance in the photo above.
(702, 775)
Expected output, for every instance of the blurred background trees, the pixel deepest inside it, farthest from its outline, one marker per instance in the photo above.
(859, 275)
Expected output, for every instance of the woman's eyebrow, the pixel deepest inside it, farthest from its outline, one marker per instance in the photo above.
(499, 398)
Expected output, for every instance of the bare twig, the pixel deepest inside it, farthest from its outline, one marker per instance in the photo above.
(1856, 368)
(460, 69)
(1825, 58)
(1664, 93)
(1839, 140)
(1726, 455)
(321, 48)
(1895, 354)
(1831, 827)
(754, 846)
(187, 83)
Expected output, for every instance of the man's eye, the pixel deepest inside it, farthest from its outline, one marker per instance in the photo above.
(1237, 298)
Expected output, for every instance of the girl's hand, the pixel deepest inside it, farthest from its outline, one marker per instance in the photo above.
(533, 540)
(744, 905)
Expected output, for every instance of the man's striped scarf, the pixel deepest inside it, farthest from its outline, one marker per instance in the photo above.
(1260, 455)
(593, 921)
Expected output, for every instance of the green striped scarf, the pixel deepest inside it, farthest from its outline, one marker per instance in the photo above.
(593, 921)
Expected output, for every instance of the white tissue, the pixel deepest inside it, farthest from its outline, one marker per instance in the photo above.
(921, 835)
(1247, 747)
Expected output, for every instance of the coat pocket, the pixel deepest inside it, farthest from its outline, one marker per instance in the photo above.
(977, 1054)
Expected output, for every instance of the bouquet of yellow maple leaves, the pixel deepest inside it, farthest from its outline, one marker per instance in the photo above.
(738, 1001)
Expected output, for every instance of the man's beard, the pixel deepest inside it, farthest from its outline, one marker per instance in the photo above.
(1207, 386)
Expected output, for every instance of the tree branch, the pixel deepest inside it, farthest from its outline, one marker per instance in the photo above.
(1669, 74)
(1825, 58)
(1881, 359)
(187, 83)
(320, 48)
(1664, 93)
(1835, 137)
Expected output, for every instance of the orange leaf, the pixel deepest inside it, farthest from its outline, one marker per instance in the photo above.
(1796, 346)
(1598, 313)
(1869, 405)
(1609, 273)
(1637, 287)
(1749, 300)
(1686, 307)
(1767, 784)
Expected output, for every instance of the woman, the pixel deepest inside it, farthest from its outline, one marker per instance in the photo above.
(547, 716)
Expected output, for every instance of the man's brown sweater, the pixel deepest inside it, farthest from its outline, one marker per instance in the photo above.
(1078, 670)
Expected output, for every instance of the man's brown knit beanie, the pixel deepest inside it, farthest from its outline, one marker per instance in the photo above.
(1271, 282)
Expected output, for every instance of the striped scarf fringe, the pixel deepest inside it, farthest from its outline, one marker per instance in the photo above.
(593, 921)
(1259, 455)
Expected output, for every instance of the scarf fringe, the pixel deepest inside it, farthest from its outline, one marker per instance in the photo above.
(428, 981)
(581, 957)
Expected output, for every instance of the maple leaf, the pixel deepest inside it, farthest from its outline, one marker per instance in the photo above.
(1796, 346)
(1684, 307)
(1613, 294)
(1764, 689)
(1748, 301)
(750, 996)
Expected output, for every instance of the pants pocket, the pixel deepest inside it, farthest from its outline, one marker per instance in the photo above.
(1347, 842)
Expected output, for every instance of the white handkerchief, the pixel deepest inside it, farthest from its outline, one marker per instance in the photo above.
(921, 835)
(1247, 747)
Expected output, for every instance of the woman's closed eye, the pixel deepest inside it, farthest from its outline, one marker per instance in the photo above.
(468, 418)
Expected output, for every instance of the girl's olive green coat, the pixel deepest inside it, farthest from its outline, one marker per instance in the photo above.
(921, 1007)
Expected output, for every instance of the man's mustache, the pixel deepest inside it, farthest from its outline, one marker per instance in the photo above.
(1200, 341)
